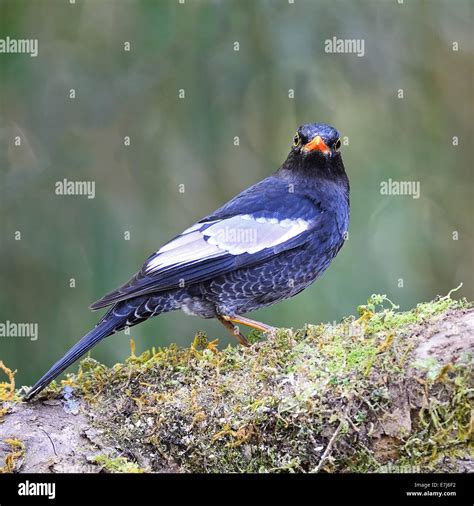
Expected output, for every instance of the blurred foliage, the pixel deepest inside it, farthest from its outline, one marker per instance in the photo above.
(190, 141)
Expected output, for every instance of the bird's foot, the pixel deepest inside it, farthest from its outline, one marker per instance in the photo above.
(234, 330)
(231, 323)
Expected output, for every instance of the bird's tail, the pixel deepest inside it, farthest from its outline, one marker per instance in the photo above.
(107, 326)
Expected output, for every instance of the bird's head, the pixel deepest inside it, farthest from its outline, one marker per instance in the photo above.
(316, 140)
(315, 153)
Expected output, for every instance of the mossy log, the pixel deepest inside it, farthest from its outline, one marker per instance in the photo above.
(389, 391)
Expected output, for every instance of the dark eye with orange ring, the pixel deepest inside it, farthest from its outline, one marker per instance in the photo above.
(337, 145)
(296, 140)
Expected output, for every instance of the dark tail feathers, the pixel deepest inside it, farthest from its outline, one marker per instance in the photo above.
(107, 326)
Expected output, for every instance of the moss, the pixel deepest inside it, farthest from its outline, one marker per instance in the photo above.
(117, 465)
(7, 391)
(11, 460)
(445, 422)
(323, 398)
(7, 388)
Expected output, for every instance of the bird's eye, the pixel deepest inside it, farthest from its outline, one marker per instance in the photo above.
(337, 145)
(296, 140)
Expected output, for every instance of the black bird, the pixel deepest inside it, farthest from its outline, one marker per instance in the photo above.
(266, 244)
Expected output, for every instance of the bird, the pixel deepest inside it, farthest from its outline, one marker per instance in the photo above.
(266, 244)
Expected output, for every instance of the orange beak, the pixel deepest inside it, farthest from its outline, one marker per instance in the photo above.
(317, 144)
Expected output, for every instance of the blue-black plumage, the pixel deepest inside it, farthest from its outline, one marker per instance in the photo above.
(266, 244)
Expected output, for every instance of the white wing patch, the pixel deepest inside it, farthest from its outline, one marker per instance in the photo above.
(184, 249)
(245, 234)
(232, 236)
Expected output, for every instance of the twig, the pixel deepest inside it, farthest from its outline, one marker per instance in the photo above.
(50, 440)
(328, 448)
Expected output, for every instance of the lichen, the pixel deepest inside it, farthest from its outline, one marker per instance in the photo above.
(7, 388)
(7, 391)
(117, 464)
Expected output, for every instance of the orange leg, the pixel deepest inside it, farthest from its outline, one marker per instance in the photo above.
(249, 323)
(234, 330)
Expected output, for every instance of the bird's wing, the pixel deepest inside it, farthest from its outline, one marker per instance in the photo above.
(225, 241)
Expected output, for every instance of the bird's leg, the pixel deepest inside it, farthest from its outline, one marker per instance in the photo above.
(250, 323)
(234, 330)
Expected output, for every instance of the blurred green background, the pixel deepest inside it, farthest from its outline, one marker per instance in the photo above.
(190, 142)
